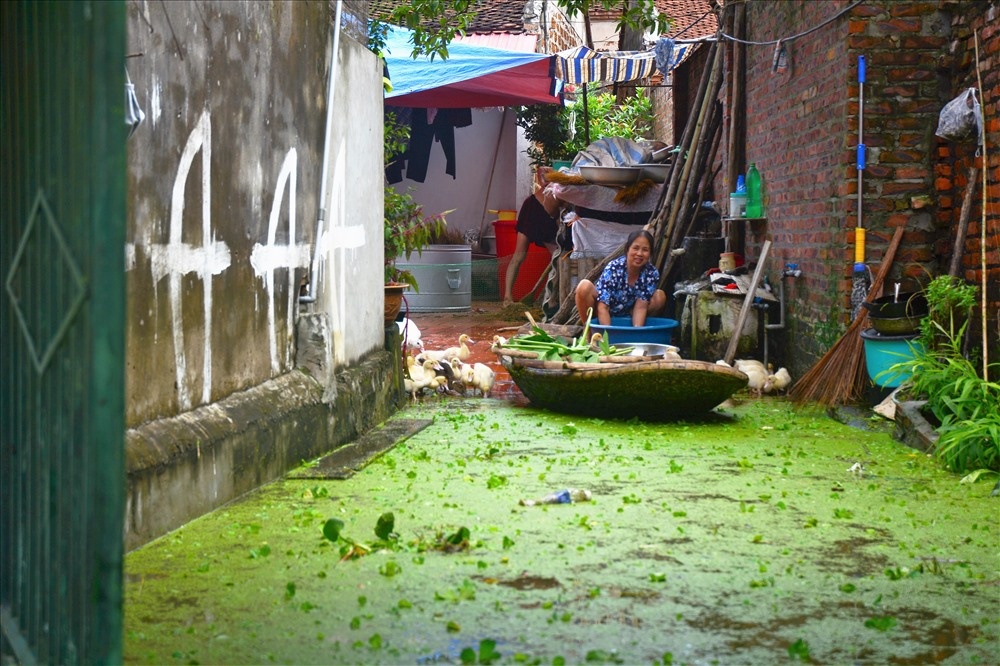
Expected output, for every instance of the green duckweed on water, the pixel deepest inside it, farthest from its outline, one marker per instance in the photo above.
(762, 536)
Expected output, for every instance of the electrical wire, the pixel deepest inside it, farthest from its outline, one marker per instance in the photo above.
(794, 37)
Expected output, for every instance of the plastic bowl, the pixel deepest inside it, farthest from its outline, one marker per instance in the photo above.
(658, 330)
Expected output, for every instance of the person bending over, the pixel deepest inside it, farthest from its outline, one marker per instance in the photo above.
(537, 222)
(627, 285)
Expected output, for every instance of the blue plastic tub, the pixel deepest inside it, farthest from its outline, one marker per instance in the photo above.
(658, 330)
(884, 351)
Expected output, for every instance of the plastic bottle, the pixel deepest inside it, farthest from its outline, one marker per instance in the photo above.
(741, 184)
(567, 496)
(754, 206)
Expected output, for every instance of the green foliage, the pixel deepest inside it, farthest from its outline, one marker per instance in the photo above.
(965, 407)
(558, 133)
(949, 301)
(632, 119)
(436, 22)
(546, 127)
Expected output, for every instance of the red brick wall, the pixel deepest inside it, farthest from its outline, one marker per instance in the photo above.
(802, 130)
(954, 159)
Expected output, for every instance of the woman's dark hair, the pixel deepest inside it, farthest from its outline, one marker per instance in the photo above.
(635, 234)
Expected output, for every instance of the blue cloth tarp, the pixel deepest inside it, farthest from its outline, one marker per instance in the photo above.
(470, 77)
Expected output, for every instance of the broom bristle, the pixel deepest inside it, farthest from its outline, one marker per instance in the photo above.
(839, 376)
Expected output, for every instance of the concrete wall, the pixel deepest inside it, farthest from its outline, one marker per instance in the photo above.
(224, 194)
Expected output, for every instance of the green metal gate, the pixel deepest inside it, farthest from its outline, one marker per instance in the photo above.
(62, 235)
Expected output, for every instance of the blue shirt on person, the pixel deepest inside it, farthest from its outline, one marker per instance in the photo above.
(614, 290)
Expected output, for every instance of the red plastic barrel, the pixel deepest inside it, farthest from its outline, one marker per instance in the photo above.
(534, 264)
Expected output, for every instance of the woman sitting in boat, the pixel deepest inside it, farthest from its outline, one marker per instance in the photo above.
(627, 286)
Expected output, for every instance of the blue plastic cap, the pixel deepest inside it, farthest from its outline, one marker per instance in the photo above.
(859, 268)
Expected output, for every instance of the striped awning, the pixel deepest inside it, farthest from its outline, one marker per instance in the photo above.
(584, 65)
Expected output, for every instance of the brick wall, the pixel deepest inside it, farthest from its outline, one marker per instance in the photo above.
(802, 129)
(953, 159)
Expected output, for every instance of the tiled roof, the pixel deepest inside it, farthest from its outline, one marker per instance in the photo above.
(685, 15)
(492, 16)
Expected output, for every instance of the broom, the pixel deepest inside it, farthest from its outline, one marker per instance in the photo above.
(839, 376)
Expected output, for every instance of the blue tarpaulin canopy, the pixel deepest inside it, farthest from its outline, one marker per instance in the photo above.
(470, 77)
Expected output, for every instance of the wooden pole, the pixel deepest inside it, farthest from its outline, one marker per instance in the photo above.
(747, 303)
(963, 219)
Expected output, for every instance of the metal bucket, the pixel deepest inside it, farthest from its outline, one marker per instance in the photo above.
(444, 278)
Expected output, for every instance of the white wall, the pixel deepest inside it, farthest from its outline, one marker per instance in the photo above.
(471, 193)
(350, 288)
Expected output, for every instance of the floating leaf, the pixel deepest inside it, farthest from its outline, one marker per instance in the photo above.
(799, 650)
(289, 590)
(881, 622)
(453, 627)
(332, 529)
(385, 526)
(389, 569)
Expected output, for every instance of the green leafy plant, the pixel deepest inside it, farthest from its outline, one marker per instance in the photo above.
(964, 407)
(949, 301)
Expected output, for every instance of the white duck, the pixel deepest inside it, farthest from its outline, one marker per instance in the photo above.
(411, 334)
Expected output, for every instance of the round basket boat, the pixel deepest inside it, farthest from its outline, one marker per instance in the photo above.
(657, 390)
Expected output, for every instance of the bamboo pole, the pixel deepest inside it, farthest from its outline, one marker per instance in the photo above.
(707, 102)
(982, 224)
(737, 118)
(687, 214)
(667, 194)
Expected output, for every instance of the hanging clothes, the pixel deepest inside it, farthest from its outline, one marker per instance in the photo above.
(423, 134)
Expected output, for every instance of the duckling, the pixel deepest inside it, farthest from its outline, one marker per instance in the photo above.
(780, 380)
(595, 342)
(756, 378)
(499, 341)
(482, 378)
(462, 351)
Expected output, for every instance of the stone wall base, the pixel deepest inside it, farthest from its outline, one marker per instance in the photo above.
(182, 467)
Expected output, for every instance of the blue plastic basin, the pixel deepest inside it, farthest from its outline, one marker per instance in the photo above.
(884, 351)
(658, 330)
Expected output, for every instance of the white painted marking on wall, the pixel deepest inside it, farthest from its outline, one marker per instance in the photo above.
(347, 238)
(266, 259)
(155, 109)
(176, 259)
(129, 256)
